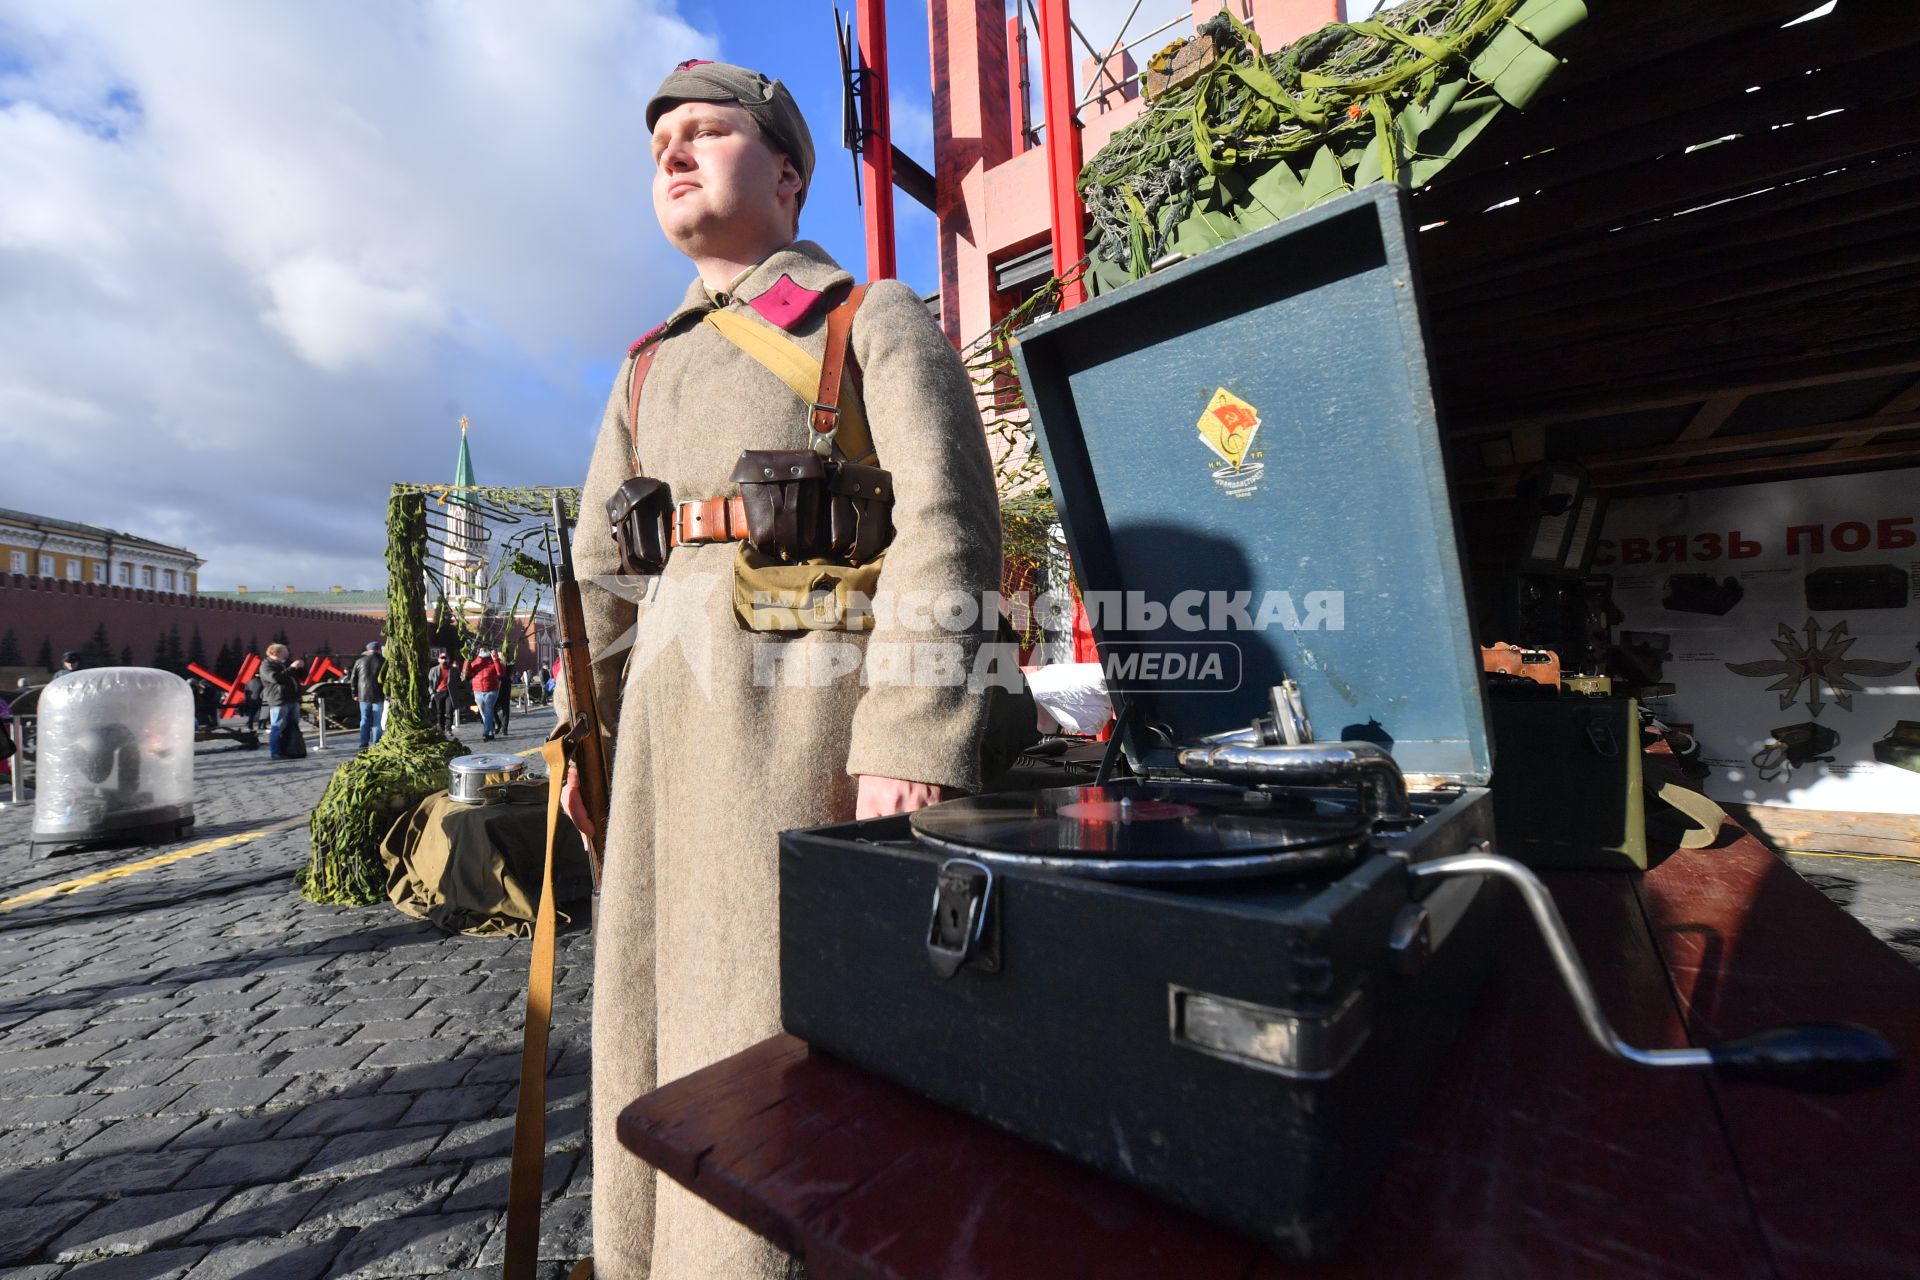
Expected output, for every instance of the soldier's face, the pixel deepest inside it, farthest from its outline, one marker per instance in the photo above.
(718, 186)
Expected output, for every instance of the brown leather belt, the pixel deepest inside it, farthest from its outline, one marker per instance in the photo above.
(711, 520)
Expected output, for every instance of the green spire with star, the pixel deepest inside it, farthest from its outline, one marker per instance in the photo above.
(463, 470)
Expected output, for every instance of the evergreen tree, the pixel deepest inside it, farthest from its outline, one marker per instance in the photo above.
(98, 650)
(159, 654)
(45, 660)
(176, 656)
(9, 649)
(253, 644)
(196, 647)
(126, 655)
(280, 637)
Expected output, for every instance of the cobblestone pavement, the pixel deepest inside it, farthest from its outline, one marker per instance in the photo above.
(202, 1074)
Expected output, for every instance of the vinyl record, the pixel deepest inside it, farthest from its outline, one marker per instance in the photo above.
(1145, 832)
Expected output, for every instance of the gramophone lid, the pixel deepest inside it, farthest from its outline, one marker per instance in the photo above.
(1260, 420)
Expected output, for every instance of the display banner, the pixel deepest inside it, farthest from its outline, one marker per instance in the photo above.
(1787, 618)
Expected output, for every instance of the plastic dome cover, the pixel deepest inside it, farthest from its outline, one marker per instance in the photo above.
(115, 754)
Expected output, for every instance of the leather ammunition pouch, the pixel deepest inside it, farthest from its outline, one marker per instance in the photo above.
(859, 511)
(785, 492)
(802, 506)
(641, 513)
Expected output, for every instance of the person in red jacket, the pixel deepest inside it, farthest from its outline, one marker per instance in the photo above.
(484, 672)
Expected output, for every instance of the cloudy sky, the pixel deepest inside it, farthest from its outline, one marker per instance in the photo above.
(258, 256)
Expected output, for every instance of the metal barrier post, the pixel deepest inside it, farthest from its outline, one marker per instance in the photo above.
(17, 765)
(320, 719)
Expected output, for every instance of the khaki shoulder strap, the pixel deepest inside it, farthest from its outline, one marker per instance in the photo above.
(818, 383)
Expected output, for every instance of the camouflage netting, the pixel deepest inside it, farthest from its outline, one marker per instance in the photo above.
(368, 791)
(1257, 137)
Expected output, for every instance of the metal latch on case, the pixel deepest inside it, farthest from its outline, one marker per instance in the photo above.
(965, 929)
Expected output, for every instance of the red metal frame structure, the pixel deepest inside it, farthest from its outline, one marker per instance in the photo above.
(1068, 217)
(876, 145)
(236, 690)
(998, 197)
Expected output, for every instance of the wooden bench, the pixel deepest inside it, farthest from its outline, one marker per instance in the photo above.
(1534, 1155)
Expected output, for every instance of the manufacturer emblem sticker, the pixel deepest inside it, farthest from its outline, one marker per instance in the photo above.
(1228, 427)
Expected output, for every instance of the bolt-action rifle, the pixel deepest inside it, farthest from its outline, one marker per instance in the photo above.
(586, 749)
(576, 743)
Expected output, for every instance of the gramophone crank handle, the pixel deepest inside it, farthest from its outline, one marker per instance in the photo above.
(1814, 1057)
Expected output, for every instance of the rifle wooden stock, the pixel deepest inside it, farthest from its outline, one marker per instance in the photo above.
(586, 748)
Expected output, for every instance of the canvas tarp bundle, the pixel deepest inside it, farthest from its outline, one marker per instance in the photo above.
(475, 869)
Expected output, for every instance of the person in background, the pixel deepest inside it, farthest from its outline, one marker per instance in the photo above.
(6, 742)
(280, 695)
(441, 686)
(206, 707)
(69, 661)
(250, 704)
(484, 672)
(365, 677)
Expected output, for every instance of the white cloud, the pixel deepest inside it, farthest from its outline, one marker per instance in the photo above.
(337, 319)
(257, 257)
(912, 125)
(1100, 21)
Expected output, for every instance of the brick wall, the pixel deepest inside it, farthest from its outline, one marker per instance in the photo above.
(65, 614)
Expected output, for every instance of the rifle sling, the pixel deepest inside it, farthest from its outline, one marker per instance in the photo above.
(530, 1118)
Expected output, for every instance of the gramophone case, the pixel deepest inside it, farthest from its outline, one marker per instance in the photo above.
(1256, 420)
(1103, 1023)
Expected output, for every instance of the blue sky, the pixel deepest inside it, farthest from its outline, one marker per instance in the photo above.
(254, 266)
(257, 257)
(794, 41)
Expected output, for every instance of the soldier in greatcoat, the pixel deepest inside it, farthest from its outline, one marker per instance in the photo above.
(716, 745)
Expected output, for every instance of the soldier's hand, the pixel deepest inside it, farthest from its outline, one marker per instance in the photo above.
(882, 796)
(575, 804)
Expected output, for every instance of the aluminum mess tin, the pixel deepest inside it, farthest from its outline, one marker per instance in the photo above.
(482, 779)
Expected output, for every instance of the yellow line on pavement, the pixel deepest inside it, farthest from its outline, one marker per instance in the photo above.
(145, 864)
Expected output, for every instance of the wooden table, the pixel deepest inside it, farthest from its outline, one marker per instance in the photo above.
(1534, 1155)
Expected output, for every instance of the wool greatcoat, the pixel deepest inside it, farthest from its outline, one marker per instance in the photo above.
(712, 758)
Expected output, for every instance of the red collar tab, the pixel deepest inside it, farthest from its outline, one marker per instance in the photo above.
(645, 338)
(786, 304)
